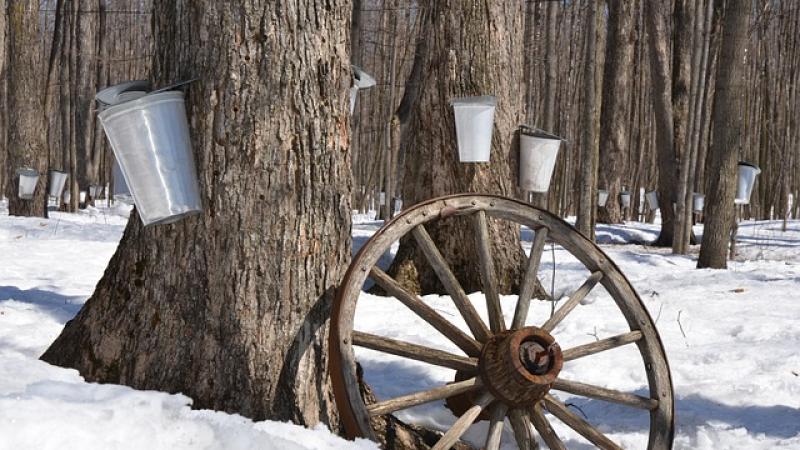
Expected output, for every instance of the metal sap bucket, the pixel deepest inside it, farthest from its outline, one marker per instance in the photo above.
(474, 117)
(398, 204)
(82, 197)
(57, 181)
(28, 178)
(95, 191)
(537, 158)
(698, 202)
(625, 198)
(602, 197)
(150, 140)
(745, 182)
(67, 196)
(652, 200)
(361, 80)
(382, 198)
(121, 192)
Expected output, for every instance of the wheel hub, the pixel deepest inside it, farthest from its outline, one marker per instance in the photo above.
(518, 367)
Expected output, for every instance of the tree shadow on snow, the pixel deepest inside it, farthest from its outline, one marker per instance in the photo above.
(777, 421)
(60, 307)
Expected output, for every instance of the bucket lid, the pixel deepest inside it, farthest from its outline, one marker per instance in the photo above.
(58, 171)
(749, 164)
(480, 100)
(538, 132)
(129, 90)
(361, 79)
(27, 172)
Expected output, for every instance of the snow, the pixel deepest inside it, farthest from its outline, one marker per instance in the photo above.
(731, 337)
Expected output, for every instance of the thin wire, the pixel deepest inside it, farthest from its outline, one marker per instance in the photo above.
(96, 11)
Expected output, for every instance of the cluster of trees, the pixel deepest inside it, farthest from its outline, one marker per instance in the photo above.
(645, 122)
(231, 306)
(54, 56)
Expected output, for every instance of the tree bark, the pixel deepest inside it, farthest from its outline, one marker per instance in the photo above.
(463, 64)
(230, 307)
(27, 144)
(727, 130)
(614, 124)
(585, 221)
(658, 40)
(682, 81)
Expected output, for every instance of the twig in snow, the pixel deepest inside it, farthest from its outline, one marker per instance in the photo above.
(658, 316)
(594, 334)
(573, 405)
(680, 325)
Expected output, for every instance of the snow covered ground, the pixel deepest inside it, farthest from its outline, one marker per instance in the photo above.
(732, 338)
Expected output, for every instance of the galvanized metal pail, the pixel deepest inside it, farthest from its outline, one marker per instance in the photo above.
(745, 182)
(361, 80)
(698, 202)
(537, 158)
(625, 198)
(602, 197)
(474, 118)
(652, 200)
(95, 191)
(57, 181)
(27, 183)
(150, 140)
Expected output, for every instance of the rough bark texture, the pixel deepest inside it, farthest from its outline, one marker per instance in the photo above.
(585, 221)
(230, 307)
(658, 43)
(27, 141)
(614, 121)
(3, 105)
(727, 127)
(458, 64)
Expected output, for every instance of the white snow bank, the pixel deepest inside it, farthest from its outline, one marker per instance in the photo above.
(48, 268)
(731, 337)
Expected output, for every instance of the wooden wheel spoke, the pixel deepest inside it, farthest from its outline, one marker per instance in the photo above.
(414, 351)
(451, 284)
(457, 430)
(419, 398)
(583, 427)
(601, 345)
(573, 301)
(466, 343)
(496, 426)
(529, 283)
(605, 394)
(522, 429)
(488, 274)
(544, 428)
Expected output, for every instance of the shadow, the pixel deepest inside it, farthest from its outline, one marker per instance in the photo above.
(60, 307)
(777, 421)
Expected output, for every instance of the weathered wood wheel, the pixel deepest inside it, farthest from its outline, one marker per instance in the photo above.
(507, 371)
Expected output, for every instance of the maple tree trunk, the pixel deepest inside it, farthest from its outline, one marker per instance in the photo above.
(463, 64)
(26, 143)
(231, 307)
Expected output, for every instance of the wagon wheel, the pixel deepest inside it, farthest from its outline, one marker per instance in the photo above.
(507, 371)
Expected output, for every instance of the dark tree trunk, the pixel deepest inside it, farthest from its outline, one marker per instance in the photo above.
(231, 307)
(3, 105)
(614, 122)
(27, 142)
(586, 219)
(464, 64)
(727, 127)
(658, 39)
